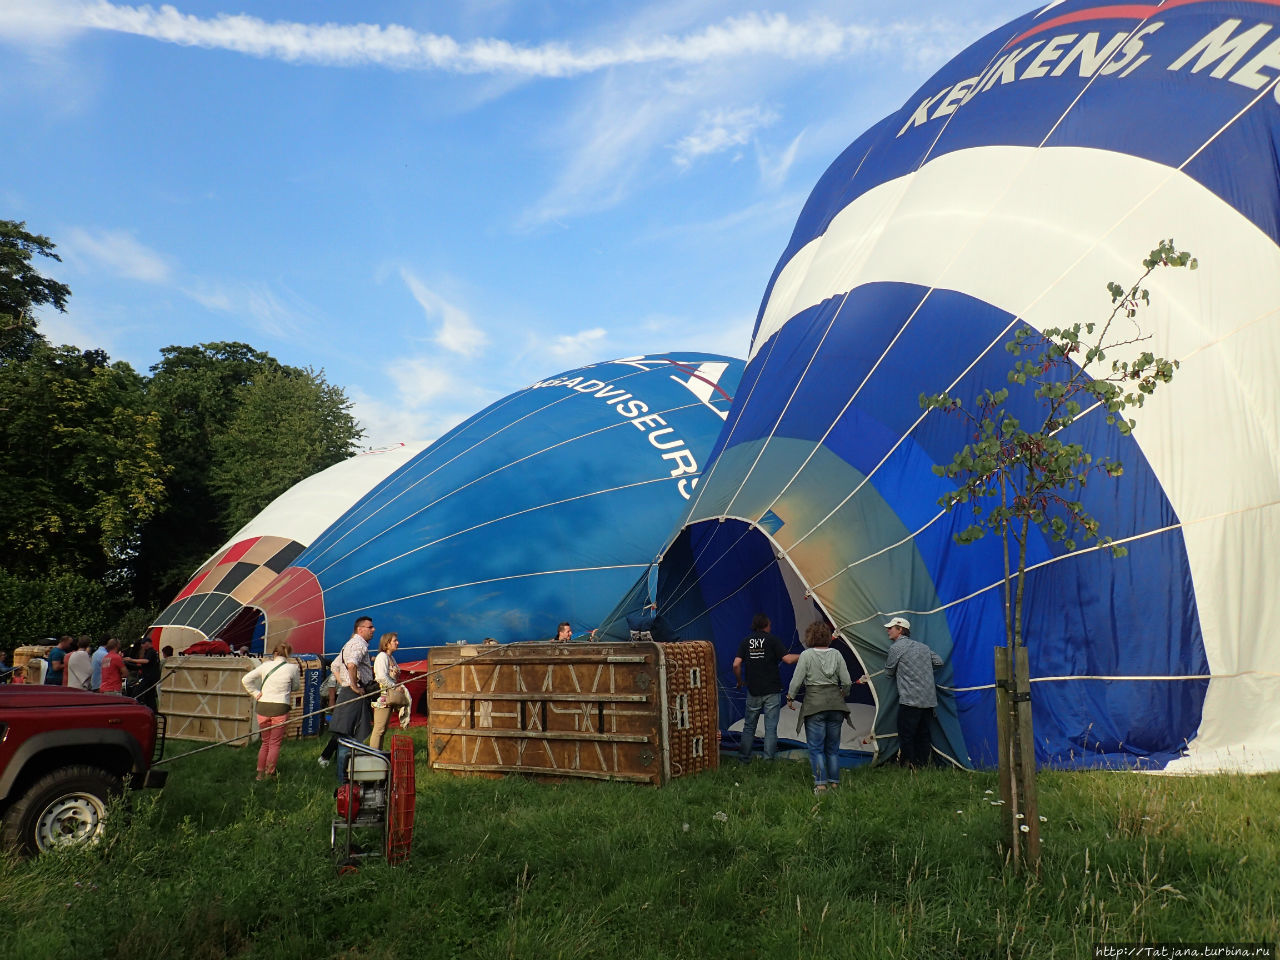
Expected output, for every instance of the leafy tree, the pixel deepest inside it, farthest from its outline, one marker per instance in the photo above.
(289, 425)
(22, 288)
(1015, 475)
(227, 461)
(129, 484)
(39, 607)
(194, 390)
(131, 624)
(80, 462)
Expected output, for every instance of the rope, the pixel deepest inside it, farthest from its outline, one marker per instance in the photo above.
(723, 689)
(1154, 679)
(322, 710)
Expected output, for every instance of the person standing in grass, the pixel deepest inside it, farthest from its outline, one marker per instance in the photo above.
(80, 665)
(759, 656)
(822, 672)
(329, 693)
(114, 672)
(387, 672)
(911, 664)
(148, 663)
(272, 684)
(96, 660)
(352, 716)
(57, 672)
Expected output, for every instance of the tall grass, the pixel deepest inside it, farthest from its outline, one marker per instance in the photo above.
(742, 862)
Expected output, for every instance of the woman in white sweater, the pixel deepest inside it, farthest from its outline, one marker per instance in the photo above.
(387, 672)
(822, 672)
(272, 684)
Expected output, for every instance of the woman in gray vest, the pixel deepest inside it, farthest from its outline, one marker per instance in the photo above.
(822, 672)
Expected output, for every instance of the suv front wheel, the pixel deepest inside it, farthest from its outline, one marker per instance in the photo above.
(67, 807)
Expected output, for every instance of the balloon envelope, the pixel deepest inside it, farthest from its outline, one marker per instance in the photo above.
(1038, 165)
(541, 508)
(213, 603)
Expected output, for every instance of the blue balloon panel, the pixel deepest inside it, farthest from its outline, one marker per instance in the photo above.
(543, 507)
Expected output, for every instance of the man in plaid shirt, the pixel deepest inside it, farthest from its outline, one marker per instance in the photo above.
(911, 664)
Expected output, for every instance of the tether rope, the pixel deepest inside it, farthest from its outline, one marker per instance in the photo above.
(481, 653)
(1124, 678)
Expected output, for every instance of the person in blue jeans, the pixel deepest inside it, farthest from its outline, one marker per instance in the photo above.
(822, 673)
(758, 658)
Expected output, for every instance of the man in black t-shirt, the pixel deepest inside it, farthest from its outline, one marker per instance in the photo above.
(758, 657)
(148, 663)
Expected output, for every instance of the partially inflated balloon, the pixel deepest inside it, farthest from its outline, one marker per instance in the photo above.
(213, 603)
(541, 508)
(1041, 163)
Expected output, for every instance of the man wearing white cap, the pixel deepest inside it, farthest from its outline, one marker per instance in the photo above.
(911, 664)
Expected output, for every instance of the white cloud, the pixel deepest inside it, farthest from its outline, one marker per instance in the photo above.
(279, 314)
(774, 170)
(364, 44)
(387, 421)
(420, 400)
(118, 251)
(721, 130)
(728, 336)
(608, 141)
(78, 326)
(38, 21)
(420, 380)
(581, 344)
(775, 214)
(211, 297)
(457, 333)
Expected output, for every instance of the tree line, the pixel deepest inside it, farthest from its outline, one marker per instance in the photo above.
(115, 485)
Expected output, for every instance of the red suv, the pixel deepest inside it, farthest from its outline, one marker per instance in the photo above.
(64, 753)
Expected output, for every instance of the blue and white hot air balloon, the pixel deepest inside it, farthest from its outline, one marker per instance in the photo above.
(1040, 163)
(543, 507)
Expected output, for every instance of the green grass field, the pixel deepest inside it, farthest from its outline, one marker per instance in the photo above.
(742, 862)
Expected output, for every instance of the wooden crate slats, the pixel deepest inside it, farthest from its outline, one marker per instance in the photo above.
(597, 711)
(203, 699)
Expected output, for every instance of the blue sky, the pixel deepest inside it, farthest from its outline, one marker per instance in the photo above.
(438, 204)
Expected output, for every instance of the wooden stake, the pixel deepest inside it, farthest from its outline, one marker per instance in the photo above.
(1025, 773)
(1004, 747)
